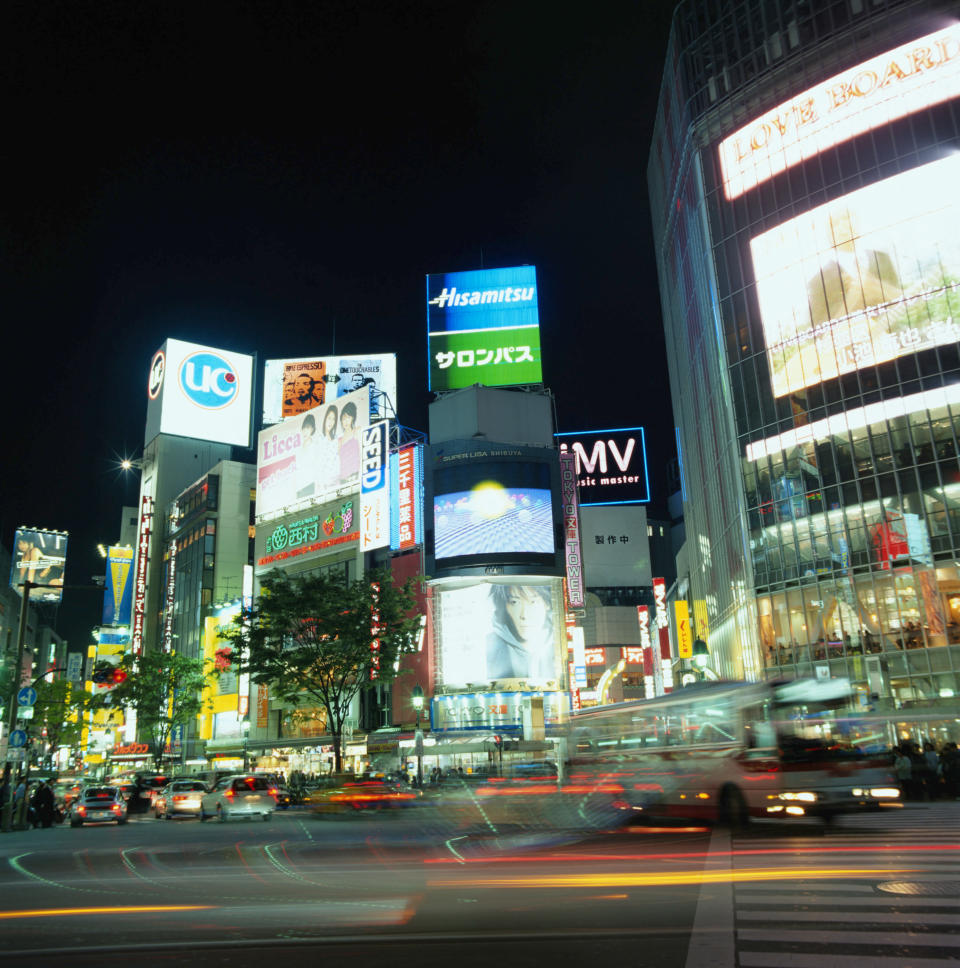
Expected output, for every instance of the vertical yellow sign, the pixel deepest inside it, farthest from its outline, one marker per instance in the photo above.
(684, 633)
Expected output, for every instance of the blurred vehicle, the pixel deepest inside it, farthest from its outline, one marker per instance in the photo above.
(65, 791)
(147, 785)
(280, 792)
(99, 804)
(245, 795)
(354, 795)
(179, 797)
(729, 751)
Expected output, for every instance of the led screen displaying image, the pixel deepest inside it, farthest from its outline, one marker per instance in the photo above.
(501, 632)
(862, 280)
(493, 519)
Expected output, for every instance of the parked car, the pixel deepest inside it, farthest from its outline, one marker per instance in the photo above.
(245, 795)
(99, 804)
(179, 797)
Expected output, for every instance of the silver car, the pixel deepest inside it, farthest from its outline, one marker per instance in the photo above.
(180, 796)
(238, 796)
(99, 804)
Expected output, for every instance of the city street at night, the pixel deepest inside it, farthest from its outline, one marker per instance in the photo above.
(881, 888)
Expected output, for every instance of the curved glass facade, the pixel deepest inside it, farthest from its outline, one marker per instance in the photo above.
(804, 185)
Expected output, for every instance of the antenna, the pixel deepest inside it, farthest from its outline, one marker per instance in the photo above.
(333, 347)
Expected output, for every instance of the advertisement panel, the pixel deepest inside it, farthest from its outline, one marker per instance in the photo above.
(118, 590)
(493, 711)
(304, 460)
(872, 94)
(41, 557)
(861, 280)
(681, 613)
(199, 392)
(293, 386)
(375, 486)
(611, 465)
(616, 550)
(140, 579)
(406, 497)
(500, 631)
(483, 326)
(307, 534)
(573, 556)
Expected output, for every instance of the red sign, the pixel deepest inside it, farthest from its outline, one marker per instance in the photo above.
(643, 617)
(595, 656)
(632, 654)
(133, 749)
(263, 705)
(660, 599)
(407, 491)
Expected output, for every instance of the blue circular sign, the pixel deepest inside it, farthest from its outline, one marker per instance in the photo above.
(208, 380)
(27, 696)
(18, 738)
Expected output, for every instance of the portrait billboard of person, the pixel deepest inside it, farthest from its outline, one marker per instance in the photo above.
(349, 443)
(521, 644)
(303, 387)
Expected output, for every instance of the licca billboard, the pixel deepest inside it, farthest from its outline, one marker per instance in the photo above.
(483, 326)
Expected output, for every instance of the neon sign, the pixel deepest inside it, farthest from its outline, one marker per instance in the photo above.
(870, 95)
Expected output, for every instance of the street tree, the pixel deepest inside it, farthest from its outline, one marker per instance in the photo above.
(323, 638)
(59, 715)
(166, 689)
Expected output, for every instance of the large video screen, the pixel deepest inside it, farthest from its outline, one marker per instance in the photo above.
(39, 557)
(862, 280)
(491, 508)
(483, 326)
(502, 632)
(307, 459)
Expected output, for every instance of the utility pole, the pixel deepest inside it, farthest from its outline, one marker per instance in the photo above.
(12, 698)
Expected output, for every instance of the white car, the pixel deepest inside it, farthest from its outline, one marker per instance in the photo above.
(239, 796)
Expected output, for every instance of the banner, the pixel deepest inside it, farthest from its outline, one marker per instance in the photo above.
(406, 497)
(140, 579)
(684, 633)
(374, 486)
(118, 591)
(573, 555)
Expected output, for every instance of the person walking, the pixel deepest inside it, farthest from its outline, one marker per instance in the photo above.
(903, 770)
(44, 806)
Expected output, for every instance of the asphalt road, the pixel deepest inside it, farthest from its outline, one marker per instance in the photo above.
(410, 889)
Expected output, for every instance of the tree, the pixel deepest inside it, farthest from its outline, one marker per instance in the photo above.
(166, 690)
(325, 638)
(61, 710)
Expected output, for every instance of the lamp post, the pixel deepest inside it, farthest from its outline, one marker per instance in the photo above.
(416, 697)
(245, 729)
(700, 656)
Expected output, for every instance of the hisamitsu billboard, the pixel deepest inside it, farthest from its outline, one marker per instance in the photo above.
(483, 326)
(611, 465)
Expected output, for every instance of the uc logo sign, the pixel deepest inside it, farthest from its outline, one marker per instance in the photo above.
(208, 380)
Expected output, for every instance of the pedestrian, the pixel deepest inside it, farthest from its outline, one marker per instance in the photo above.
(931, 773)
(43, 806)
(903, 769)
(950, 770)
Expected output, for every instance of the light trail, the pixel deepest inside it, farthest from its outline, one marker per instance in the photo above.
(670, 878)
(74, 912)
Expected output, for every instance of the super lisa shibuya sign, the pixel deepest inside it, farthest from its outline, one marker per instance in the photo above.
(611, 465)
(199, 392)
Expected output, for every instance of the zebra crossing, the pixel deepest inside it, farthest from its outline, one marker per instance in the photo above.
(906, 914)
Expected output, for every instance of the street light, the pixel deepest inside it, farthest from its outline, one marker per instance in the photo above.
(416, 697)
(700, 653)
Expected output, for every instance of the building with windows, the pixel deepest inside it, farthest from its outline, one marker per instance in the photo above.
(802, 179)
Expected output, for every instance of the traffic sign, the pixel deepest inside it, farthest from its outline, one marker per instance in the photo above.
(27, 696)
(17, 738)
(25, 712)
(16, 756)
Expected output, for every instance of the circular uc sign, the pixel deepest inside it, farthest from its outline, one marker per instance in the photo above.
(155, 380)
(208, 380)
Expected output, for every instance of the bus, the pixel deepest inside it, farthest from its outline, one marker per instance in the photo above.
(729, 751)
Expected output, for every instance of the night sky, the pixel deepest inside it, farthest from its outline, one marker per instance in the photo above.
(278, 178)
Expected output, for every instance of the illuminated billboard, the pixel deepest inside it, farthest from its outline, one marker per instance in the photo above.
(493, 711)
(375, 486)
(611, 465)
(39, 557)
(861, 280)
(869, 95)
(293, 386)
(307, 534)
(406, 497)
(199, 392)
(118, 590)
(483, 326)
(506, 632)
(308, 459)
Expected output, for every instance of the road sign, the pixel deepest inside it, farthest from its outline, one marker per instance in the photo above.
(17, 738)
(27, 696)
(25, 712)
(16, 756)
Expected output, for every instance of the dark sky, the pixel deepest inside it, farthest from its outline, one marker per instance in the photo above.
(251, 175)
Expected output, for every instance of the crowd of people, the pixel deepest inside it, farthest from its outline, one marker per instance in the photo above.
(925, 773)
(34, 804)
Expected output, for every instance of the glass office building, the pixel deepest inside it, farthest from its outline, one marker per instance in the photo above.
(805, 190)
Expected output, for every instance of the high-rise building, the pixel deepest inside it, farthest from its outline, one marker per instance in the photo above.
(803, 182)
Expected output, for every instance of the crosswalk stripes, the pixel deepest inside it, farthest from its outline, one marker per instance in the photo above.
(907, 918)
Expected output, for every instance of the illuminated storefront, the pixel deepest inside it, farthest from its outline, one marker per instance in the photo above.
(803, 186)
